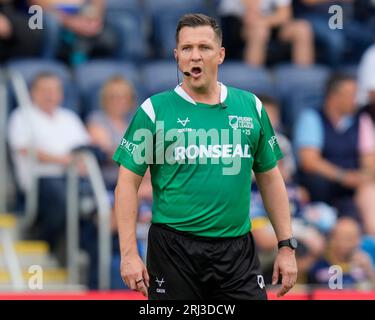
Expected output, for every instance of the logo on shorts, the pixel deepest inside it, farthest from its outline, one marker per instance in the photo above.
(260, 281)
(160, 283)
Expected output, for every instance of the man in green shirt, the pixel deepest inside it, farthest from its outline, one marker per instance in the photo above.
(202, 141)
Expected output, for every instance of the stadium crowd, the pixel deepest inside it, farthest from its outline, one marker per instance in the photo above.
(94, 61)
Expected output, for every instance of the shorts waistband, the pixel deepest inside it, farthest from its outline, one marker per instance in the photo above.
(193, 236)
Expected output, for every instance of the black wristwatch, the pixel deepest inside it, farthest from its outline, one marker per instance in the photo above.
(291, 243)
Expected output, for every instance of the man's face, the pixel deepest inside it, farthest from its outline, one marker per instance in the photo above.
(345, 239)
(198, 52)
(47, 93)
(117, 99)
(345, 96)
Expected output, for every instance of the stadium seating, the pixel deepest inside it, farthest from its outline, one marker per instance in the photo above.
(130, 23)
(299, 88)
(91, 76)
(122, 4)
(164, 18)
(159, 76)
(243, 76)
(29, 68)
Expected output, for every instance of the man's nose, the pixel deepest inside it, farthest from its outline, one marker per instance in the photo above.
(195, 54)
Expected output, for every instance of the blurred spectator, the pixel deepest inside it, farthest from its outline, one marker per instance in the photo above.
(106, 128)
(354, 36)
(256, 22)
(107, 125)
(16, 38)
(344, 251)
(54, 132)
(365, 12)
(336, 150)
(311, 241)
(366, 81)
(78, 28)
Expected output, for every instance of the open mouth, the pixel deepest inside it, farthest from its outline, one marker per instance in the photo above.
(196, 71)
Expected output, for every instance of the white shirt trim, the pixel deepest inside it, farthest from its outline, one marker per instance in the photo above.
(148, 108)
(182, 93)
(259, 106)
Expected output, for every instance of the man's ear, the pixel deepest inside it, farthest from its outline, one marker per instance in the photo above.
(222, 55)
(175, 55)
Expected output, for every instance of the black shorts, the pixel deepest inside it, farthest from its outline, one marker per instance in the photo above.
(185, 267)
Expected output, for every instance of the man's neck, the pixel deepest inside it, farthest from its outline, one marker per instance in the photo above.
(209, 95)
(46, 110)
(333, 114)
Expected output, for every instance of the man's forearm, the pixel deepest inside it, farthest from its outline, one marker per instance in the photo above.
(126, 209)
(276, 203)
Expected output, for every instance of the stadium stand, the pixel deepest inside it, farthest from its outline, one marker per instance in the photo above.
(145, 58)
(243, 76)
(29, 68)
(166, 73)
(299, 88)
(164, 17)
(91, 76)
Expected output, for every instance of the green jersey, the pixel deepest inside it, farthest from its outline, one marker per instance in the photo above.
(201, 158)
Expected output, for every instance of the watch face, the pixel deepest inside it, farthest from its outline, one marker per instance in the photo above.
(293, 243)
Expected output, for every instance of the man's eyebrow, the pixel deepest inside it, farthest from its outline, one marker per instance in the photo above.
(199, 44)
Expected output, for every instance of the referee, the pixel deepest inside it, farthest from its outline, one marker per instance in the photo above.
(201, 140)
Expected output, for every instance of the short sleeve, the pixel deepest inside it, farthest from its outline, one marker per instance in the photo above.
(135, 151)
(309, 131)
(366, 143)
(19, 136)
(268, 151)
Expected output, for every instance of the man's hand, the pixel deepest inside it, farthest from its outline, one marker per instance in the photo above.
(286, 265)
(134, 274)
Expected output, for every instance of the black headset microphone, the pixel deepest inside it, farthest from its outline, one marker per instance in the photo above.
(188, 74)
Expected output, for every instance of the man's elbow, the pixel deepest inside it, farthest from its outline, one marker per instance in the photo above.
(123, 189)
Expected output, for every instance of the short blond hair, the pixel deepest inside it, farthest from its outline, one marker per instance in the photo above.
(114, 80)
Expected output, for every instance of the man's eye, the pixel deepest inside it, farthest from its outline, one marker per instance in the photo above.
(185, 49)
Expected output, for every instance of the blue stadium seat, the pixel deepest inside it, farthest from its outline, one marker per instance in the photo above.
(122, 4)
(299, 88)
(243, 76)
(29, 68)
(92, 75)
(159, 76)
(165, 15)
(128, 19)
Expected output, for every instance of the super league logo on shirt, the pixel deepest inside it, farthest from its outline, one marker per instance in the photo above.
(240, 122)
(233, 122)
